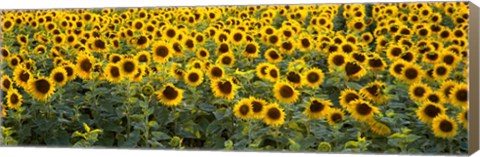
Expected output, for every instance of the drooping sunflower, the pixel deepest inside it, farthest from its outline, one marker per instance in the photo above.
(41, 88)
(313, 77)
(215, 72)
(335, 116)
(284, 92)
(317, 108)
(113, 73)
(354, 70)
(379, 128)
(373, 91)
(170, 95)
(162, 52)
(273, 56)
(243, 109)
(427, 111)
(251, 50)
(14, 99)
(21, 76)
(227, 59)
(84, 66)
(337, 59)
(59, 76)
(459, 95)
(412, 73)
(224, 88)
(462, 117)
(274, 115)
(418, 91)
(6, 83)
(193, 77)
(258, 107)
(444, 127)
(128, 67)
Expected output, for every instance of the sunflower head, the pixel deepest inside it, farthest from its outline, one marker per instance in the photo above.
(459, 95)
(274, 115)
(243, 109)
(170, 95)
(14, 99)
(362, 110)
(162, 51)
(286, 93)
(462, 117)
(113, 73)
(418, 91)
(224, 88)
(354, 70)
(313, 77)
(128, 67)
(258, 107)
(428, 111)
(41, 88)
(374, 91)
(317, 108)
(85, 66)
(59, 76)
(335, 116)
(444, 126)
(7, 83)
(379, 128)
(412, 73)
(193, 77)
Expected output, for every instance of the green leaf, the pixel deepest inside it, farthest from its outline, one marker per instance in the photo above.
(158, 135)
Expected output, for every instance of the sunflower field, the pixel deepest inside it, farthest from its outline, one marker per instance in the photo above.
(371, 78)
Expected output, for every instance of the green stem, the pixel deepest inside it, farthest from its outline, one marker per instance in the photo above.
(308, 127)
(127, 110)
(174, 120)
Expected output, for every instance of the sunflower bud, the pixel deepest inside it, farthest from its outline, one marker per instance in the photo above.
(324, 147)
(147, 90)
(176, 141)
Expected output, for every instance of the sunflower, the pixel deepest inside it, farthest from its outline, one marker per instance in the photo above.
(274, 115)
(227, 59)
(14, 99)
(358, 56)
(215, 72)
(396, 68)
(170, 32)
(251, 50)
(273, 73)
(189, 44)
(84, 66)
(317, 108)
(128, 67)
(70, 69)
(462, 117)
(237, 37)
(143, 57)
(347, 96)
(22, 39)
(362, 110)
(194, 77)
(354, 70)
(288, 46)
(14, 61)
(335, 116)
(435, 97)
(258, 107)
(261, 70)
(222, 48)
(379, 128)
(223, 88)
(170, 95)
(273, 56)
(5, 52)
(373, 91)
(243, 109)
(450, 58)
(294, 78)
(162, 52)
(115, 58)
(412, 73)
(113, 73)
(418, 91)
(284, 92)
(41, 88)
(59, 76)
(313, 77)
(427, 111)
(304, 43)
(7, 83)
(441, 71)
(274, 40)
(446, 88)
(459, 95)
(202, 54)
(4, 111)
(7, 24)
(347, 47)
(444, 127)
(431, 57)
(376, 63)
(21, 76)
(394, 51)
